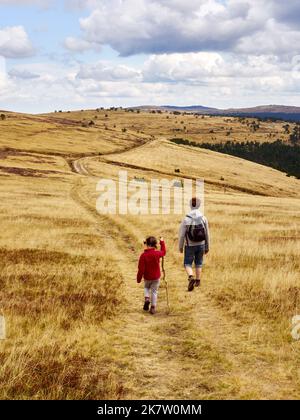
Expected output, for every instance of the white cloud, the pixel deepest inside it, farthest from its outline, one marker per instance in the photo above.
(189, 67)
(80, 4)
(105, 71)
(169, 26)
(140, 26)
(20, 73)
(221, 80)
(199, 67)
(41, 3)
(241, 75)
(15, 43)
(276, 38)
(77, 44)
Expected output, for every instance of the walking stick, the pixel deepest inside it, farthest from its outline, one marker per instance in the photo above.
(2, 327)
(166, 283)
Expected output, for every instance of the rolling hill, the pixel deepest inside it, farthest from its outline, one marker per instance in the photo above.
(75, 325)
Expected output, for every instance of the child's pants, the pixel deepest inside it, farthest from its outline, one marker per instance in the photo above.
(151, 287)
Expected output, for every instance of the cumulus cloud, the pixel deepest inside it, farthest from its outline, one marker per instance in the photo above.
(140, 26)
(77, 44)
(105, 71)
(199, 67)
(15, 43)
(80, 4)
(169, 26)
(213, 52)
(43, 3)
(212, 79)
(288, 12)
(182, 78)
(20, 73)
(235, 75)
(276, 38)
(189, 67)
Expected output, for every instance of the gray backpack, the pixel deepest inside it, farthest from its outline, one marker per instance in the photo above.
(196, 231)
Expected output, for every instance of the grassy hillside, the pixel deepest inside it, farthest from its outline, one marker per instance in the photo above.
(192, 127)
(75, 328)
(218, 170)
(63, 136)
(278, 155)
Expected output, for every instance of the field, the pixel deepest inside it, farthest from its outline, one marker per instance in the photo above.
(189, 126)
(75, 328)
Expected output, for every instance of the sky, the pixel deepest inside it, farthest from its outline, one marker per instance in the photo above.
(79, 54)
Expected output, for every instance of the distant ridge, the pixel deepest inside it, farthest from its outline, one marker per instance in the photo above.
(192, 108)
(291, 113)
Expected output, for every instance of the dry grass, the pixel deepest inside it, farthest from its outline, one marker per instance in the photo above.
(235, 332)
(62, 136)
(58, 285)
(74, 324)
(191, 127)
(218, 170)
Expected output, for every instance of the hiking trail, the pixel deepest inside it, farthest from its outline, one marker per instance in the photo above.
(198, 351)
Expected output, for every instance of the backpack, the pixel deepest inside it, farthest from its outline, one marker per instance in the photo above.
(196, 232)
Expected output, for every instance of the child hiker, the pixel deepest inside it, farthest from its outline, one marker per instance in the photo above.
(149, 269)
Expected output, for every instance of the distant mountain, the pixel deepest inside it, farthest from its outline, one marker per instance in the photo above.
(193, 108)
(270, 108)
(290, 113)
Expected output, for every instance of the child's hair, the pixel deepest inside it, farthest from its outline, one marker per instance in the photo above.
(151, 241)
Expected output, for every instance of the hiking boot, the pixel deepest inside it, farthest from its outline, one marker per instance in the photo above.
(197, 283)
(146, 305)
(152, 310)
(191, 284)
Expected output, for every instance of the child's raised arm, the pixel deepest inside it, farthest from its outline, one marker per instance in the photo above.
(163, 249)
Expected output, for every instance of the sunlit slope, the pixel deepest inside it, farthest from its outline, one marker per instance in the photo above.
(62, 136)
(217, 169)
(188, 126)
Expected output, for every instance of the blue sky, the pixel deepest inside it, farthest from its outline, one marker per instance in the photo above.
(74, 54)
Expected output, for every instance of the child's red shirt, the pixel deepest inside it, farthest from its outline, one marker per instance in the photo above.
(149, 266)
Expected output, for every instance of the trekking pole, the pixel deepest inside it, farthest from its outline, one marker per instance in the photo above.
(166, 283)
(2, 327)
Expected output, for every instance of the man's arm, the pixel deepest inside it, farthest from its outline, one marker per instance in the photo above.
(207, 236)
(141, 269)
(181, 236)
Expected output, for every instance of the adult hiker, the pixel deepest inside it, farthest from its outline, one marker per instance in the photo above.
(194, 241)
(149, 269)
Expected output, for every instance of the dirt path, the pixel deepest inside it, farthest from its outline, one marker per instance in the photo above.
(198, 351)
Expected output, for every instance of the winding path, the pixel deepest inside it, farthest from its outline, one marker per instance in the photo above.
(196, 352)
